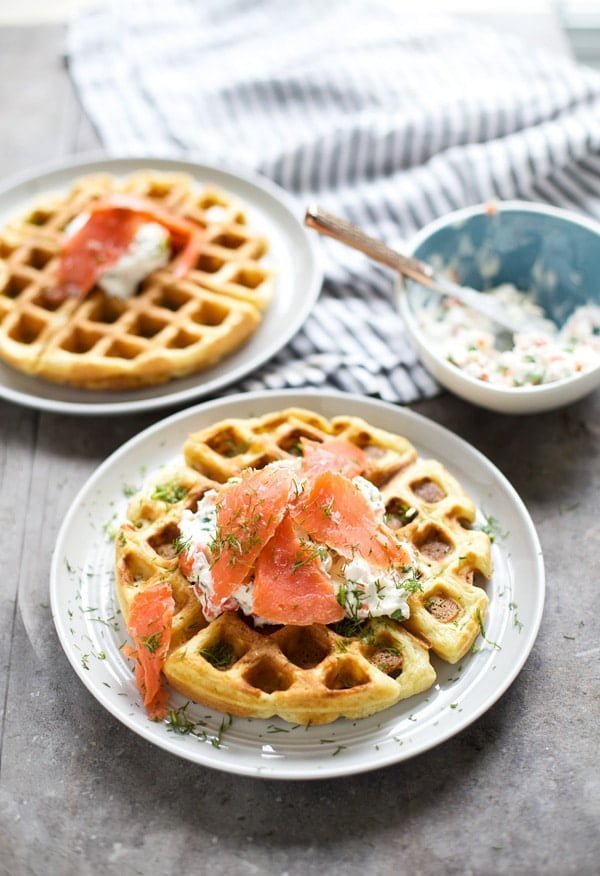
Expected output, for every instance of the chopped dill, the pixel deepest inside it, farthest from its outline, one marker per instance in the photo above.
(493, 530)
(110, 529)
(404, 512)
(181, 545)
(111, 623)
(307, 553)
(327, 508)
(273, 729)
(177, 721)
(338, 749)
(516, 622)
(398, 615)
(129, 490)
(349, 628)
(232, 447)
(225, 725)
(151, 643)
(220, 655)
(482, 631)
(413, 583)
(170, 493)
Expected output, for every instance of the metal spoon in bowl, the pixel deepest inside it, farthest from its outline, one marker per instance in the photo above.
(416, 270)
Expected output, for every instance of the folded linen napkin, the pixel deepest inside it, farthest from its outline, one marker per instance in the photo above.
(387, 119)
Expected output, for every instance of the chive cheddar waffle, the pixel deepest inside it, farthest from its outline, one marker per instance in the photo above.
(296, 566)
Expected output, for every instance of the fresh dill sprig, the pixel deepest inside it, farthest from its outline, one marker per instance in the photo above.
(225, 725)
(307, 553)
(178, 721)
(181, 544)
(482, 631)
(169, 493)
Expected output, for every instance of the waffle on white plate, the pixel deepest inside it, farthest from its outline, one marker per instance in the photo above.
(173, 326)
(306, 673)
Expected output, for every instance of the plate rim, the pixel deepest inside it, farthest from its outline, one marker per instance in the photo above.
(275, 771)
(194, 161)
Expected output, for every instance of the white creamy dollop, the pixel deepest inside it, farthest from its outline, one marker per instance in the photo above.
(366, 591)
(361, 589)
(371, 494)
(149, 250)
(198, 530)
(468, 340)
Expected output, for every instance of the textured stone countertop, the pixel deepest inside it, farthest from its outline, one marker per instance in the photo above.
(517, 792)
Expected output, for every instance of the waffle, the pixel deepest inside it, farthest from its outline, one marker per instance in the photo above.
(171, 328)
(313, 674)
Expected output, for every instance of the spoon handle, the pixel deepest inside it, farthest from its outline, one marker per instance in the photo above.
(347, 233)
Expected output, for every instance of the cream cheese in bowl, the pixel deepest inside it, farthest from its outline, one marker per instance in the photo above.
(469, 340)
(537, 261)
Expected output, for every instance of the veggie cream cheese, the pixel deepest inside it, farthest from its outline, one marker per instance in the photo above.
(361, 589)
(467, 339)
(149, 250)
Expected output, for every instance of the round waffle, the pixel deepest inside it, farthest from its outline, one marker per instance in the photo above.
(171, 328)
(311, 674)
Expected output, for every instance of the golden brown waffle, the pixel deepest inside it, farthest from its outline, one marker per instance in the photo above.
(171, 328)
(312, 674)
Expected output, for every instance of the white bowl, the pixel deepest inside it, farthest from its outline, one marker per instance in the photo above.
(518, 235)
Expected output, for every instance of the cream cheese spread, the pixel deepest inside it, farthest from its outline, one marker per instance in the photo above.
(361, 589)
(468, 340)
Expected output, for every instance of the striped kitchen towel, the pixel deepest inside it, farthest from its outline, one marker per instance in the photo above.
(379, 115)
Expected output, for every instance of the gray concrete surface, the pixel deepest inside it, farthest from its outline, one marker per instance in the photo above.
(516, 793)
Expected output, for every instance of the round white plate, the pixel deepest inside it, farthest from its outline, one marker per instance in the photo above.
(292, 255)
(91, 630)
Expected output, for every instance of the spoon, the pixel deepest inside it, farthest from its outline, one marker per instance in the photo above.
(421, 272)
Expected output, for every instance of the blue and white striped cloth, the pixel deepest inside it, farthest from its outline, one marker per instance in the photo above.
(378, 115)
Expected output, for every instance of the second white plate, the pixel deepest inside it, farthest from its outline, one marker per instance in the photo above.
(292, 254)
(91, 630)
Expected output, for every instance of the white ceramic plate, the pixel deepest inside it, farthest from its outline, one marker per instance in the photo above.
(91, 630)
(292, 254)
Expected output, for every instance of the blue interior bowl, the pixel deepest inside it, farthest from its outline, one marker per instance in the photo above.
(555, 256)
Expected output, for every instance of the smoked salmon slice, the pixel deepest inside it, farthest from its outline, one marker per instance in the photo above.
(248, 513)
(108, 234)
(290, 585)
(333, 454)
(334, 512)
(149, 624)
(86, 255)
(186, 236)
